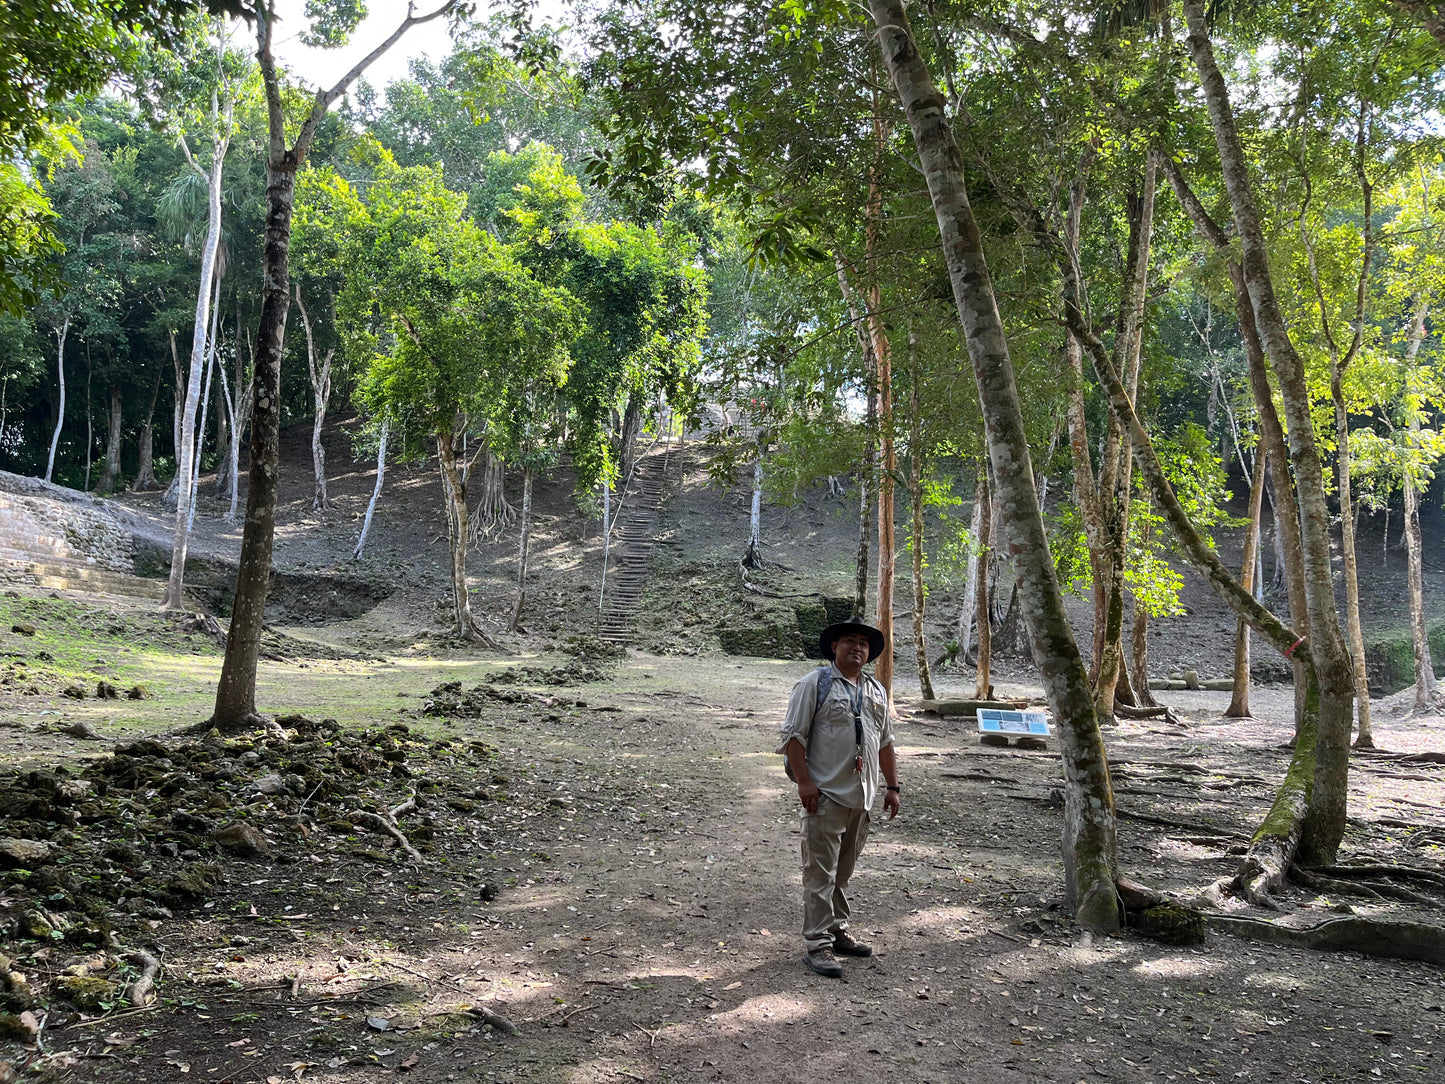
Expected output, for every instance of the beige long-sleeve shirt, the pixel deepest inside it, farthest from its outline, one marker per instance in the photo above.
(829, 735)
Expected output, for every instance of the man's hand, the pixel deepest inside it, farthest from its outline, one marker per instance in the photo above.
(808, 795)
(891, 803)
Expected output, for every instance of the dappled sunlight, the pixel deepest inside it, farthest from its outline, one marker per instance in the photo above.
(1173, 968)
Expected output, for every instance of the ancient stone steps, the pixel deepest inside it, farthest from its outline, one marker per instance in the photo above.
(79, 578)
(632, 546)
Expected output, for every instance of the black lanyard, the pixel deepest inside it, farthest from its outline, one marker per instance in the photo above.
(856, 703)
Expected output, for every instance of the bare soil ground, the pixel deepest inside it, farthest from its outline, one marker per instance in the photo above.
(609, 854)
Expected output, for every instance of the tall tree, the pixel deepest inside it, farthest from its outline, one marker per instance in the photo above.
(1323, 826)
(236, 690)
(1090, 844)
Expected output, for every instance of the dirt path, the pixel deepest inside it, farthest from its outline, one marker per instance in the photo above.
(645, 850)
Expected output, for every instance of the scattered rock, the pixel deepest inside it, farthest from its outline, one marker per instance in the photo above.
(104, 690)
(23, 629)
(82, 730)
(138, 692)
(270, 784)
(1171, 925)
(22, 1027)
(25, 853)
(1191, 679)
(75, 692)
(243, 840)
(90, 994)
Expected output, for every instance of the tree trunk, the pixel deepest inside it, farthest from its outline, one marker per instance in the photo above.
(145, 475)
(178, 407)
(968, 611)
(110, 476)
(883, 359)
(1324, 824)
(455, 491)
(1090, 842)
(1239, 700)
(1116, 472)
(375, 490)
(89, 420)
(1424, 665)
(915, 493)
(1090, 499)
(869, 466)
(1139, 658)
(524, 548)
(236, 691)
(320, 376)
(753, 555)
(1365, 738)
(494, 513)
(983, 615)
(60, 411)
(186, 454)
(865, 535)
(240, 403)
(631, 425)
(1280, 836)
(1288, 544)
(211, 367)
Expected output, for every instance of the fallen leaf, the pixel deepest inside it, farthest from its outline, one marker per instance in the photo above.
(411, 1062)
(732, 986)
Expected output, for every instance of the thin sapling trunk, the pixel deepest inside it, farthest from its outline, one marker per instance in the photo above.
(1239, 700)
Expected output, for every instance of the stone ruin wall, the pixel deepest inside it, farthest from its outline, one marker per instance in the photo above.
(42, 523)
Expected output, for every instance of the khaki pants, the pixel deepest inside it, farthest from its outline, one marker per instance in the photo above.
(832, 840)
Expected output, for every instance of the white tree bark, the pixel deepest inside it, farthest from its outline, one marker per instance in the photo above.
(59, 414)
(186, 451)
(320, 374)
(375, 490)
(970, 585)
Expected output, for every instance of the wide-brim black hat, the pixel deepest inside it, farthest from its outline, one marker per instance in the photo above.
(838, 629)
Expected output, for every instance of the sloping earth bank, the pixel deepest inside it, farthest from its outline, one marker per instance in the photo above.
(611, 866)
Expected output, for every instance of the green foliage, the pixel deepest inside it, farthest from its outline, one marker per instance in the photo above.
(49, 52)
(1198, 479)
(455, 331)
(29, 242)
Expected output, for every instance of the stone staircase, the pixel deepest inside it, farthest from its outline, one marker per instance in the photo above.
(631, 547)
(37, 550)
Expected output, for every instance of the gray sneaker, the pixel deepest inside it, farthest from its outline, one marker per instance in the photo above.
(823, 962)
(845, 944)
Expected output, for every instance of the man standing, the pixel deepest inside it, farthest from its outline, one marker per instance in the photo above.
(837, 738)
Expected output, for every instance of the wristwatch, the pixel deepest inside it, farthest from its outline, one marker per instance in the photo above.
(897, 789)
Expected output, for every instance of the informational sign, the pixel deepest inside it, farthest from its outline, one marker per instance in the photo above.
(996, 721)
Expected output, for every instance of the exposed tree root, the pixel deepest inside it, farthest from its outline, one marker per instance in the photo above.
(768, 592)
(143, 989)
(1163, 711)
(1409, 873)
(486, 1016)
(386, 825)
(206, 625)
(479, 633)
(1348, 933)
